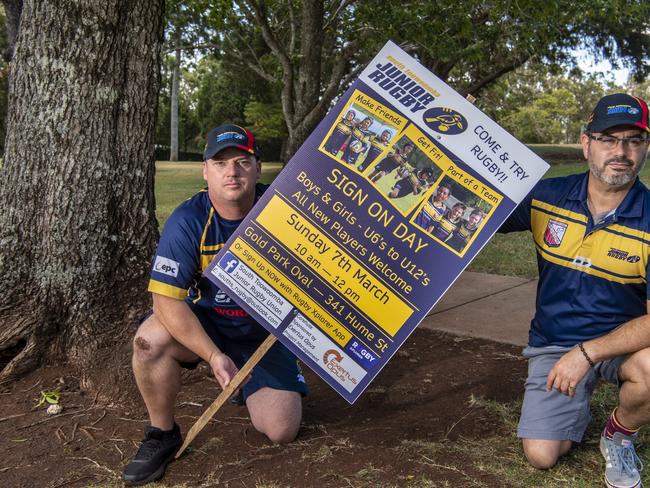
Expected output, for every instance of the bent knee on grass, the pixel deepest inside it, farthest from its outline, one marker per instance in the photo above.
(544, 454)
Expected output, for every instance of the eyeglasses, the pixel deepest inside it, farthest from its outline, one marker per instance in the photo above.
(610, 142)
(243, 163)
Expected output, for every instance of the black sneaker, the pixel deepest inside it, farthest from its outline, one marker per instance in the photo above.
(156, 452)
(238, 399)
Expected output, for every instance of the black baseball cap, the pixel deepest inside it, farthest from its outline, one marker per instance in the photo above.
(618, 109)
(229, 135)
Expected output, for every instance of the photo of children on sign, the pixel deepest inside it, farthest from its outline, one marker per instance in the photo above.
(404, 174)
(452, 215)
(359, 136)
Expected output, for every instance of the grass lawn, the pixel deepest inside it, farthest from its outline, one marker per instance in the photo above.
(178, 181)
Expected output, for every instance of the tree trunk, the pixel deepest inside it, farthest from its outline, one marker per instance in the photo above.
(173, 146)
(77, 223)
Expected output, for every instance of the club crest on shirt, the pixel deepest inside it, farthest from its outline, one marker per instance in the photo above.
(554, 233)
(221, 297)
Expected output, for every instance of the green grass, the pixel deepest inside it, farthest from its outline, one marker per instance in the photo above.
(558, 153)
(177, 181)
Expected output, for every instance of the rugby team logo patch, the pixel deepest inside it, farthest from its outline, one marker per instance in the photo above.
(555, 231)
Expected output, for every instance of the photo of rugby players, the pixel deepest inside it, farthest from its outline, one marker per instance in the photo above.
(433, 209)
(378, 144)
(413, 181)
(452, 214)
(451, 219)
(464, 232)
(340, 133)
(358, 138)
(397, 158)
(358, 142)
(405, 174)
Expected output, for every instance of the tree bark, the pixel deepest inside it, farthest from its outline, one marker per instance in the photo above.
(77, 223)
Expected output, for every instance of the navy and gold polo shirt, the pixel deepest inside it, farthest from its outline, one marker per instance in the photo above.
(592, 278)
(194, 233)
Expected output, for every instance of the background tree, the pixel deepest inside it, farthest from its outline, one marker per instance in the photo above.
(77, 224)
(187, 28)
(312, 49)
(538, 105)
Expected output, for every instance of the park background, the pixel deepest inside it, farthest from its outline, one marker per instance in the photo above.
(94, 101)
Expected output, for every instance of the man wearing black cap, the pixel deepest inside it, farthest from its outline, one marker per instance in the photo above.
(592, 235)
(193, 320)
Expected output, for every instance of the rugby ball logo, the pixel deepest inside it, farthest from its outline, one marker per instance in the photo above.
(445, 120)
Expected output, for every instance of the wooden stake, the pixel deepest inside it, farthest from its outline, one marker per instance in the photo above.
(227, 393)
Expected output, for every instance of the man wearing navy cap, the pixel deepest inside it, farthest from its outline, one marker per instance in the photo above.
(193, 320)
(592, 235)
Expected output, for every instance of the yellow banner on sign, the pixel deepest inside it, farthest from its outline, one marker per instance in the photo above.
(323, 256)
(288, 290)
(427, 146)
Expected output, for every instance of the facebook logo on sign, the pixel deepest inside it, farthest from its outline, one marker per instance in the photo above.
(228, 262)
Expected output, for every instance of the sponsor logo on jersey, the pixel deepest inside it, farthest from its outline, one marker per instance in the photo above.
(445, 120)
(554, 233)
(230, 312)
(166, 266)
(622, 255)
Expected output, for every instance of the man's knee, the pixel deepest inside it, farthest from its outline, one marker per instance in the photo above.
(151, 341)
(544, 454)
(637, 368)
(276, 414)
(283, 433)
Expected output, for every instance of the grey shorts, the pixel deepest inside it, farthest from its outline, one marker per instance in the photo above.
(552, 415)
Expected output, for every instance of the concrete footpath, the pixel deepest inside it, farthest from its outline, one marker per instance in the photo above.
(498, 308)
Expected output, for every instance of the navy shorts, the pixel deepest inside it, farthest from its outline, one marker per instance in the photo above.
(278, 368)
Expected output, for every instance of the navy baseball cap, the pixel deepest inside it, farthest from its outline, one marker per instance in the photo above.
(618, 109)
(229, 135)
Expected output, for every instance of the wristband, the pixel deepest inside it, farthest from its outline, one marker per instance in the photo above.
(584, 353)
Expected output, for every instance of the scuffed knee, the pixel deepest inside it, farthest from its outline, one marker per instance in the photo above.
(150, 341)
(143, 349)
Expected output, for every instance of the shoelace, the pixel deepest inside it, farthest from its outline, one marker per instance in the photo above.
(148, 448)
(628, 460)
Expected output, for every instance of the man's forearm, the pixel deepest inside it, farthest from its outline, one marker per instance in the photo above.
(629, 337)
(181, 323)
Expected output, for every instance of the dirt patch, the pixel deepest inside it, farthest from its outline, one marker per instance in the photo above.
(394, 435)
